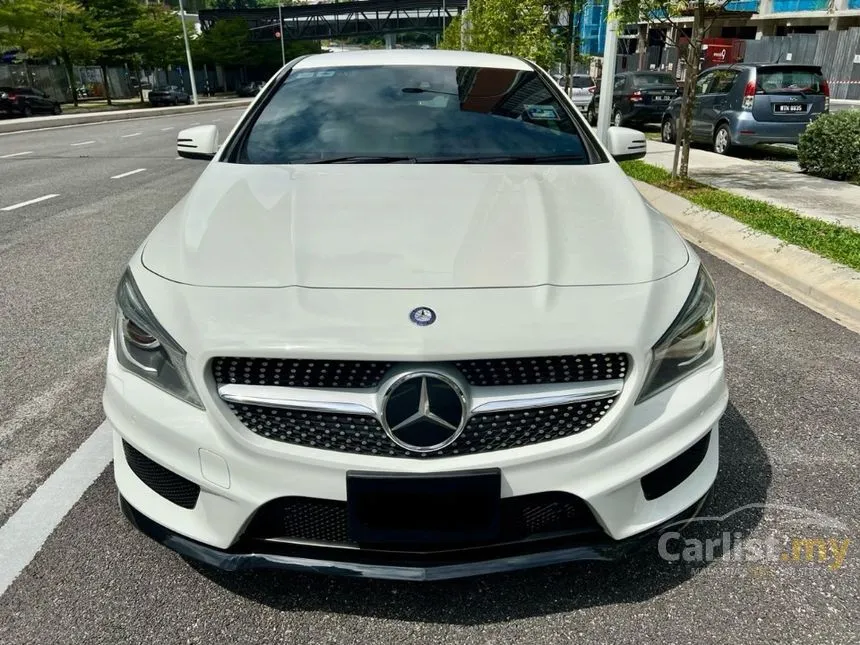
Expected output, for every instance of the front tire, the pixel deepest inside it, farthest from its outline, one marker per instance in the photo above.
(57, 109)
(667, 130)
(27, 111)
(722, 140)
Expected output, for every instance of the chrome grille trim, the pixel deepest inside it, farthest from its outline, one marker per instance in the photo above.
(481, 399)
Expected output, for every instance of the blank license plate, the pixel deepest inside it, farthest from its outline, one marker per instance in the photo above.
(394, 509)
(788, 108)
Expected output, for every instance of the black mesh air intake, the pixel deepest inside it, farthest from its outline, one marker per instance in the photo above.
(169, 485)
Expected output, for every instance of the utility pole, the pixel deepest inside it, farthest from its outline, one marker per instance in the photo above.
(607, 83)
(188, 53)
(281, 35)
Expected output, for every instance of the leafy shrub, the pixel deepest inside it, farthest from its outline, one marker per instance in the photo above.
(830, 147)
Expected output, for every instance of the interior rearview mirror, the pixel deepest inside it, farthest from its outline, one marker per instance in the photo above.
(200, 142)
(625, 144)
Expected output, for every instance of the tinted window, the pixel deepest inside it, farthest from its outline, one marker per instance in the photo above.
(581, 81)
(723, 81)
(428, 113)
(702, 83)
(641, 81)
(789, 81)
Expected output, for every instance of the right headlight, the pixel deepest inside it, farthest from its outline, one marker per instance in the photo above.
(688, 343)
(144, 347)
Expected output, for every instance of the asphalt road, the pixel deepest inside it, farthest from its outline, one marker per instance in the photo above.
(789, 445)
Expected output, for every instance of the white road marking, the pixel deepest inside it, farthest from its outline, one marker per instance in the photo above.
(82, 143)
(130, 172)
(126, 136)
(24, 534)
(166, 129)
(179, 157)
(16, 154)
(28, 202)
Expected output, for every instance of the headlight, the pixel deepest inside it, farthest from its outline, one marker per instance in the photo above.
(145, 348)
(688, 343)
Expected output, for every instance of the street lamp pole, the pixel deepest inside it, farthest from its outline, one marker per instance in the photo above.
(281, 35)
(607, 83)
(188, 53)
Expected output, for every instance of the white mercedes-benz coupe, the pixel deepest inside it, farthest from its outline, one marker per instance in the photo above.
(412, 322)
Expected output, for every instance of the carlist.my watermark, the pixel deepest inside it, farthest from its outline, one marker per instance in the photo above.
(827, 544)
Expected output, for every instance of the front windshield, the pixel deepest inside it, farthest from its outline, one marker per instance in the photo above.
(415, 113)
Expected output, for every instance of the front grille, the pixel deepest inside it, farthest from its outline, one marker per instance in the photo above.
(364, 435)
(298, 373)
(168, 484)
(368, 374)
(326, 521)
(544, 369)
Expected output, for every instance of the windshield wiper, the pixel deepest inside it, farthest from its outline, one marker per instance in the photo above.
(509, 159)
(365, 159)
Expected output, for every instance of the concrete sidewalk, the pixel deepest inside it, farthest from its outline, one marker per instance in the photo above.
(832, 201)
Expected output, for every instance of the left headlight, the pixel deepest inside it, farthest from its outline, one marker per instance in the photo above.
(688, 343)
(144, 347)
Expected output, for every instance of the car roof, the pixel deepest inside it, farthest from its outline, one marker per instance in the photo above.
(418, 57)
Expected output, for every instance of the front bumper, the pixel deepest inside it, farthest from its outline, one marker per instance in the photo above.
(384, 566)
(238, 473)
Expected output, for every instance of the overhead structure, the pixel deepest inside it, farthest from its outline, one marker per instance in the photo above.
(342, 19)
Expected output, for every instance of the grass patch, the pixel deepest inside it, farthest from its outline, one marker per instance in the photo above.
(838, 243)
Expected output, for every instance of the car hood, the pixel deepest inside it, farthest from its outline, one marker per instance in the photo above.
(412, 226)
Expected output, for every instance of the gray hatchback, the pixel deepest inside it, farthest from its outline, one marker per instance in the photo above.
(750, 103)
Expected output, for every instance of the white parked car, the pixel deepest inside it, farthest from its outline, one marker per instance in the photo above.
(582, 88)
(412, 321)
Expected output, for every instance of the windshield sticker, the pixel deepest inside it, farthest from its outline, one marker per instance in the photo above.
(541, 112)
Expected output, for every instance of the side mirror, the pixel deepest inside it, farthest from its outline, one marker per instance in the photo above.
(625, 144)
(200, 142)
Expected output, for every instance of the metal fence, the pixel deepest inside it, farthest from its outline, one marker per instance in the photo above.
(52, 79)
(834, 51)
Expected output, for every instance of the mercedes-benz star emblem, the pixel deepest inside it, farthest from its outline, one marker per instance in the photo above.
(424, 411)
(422, 316)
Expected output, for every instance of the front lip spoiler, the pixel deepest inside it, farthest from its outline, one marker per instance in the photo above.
(228, 560)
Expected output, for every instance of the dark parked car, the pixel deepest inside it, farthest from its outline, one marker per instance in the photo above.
(249, 89)
(168, 95)
(27, 101)
(638, 98)
(749, 103)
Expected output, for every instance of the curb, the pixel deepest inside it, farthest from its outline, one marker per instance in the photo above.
(64, 120)
(829, 288)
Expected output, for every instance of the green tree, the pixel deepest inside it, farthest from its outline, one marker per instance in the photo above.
(112, 23)
(56, 29)
(667, 13)
(159, 36)
(226, 43)
(512, 27)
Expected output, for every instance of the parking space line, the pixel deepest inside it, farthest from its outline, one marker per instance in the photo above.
(28, 202)
(82, 143)
(166, 129)
(126, 136)
(130, 172)
(16, 154)
(24, 534)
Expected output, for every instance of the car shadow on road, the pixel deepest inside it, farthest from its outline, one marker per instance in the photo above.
(743, 479)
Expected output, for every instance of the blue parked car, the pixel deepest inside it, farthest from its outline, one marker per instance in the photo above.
(745, 104)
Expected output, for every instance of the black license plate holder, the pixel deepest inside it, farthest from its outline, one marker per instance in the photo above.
(434, 509)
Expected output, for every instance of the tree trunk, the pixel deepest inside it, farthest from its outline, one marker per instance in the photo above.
(70, 74)
(139, 84)
(106, 84)
(642, 46)
(694, 54)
